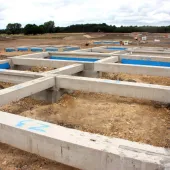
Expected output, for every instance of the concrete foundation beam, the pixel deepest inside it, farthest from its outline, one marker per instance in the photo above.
(29, 88)
(112, 59)
(150, 51)
(140, 57)
(76, 53)
(132, 69)
(50, 63)
(41, 62)
(5, 61)
(67, 70)
(121, 88)
(79, 149)
(35, 55)
(16, 77)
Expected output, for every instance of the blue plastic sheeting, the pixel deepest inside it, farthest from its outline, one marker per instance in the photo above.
(71, 48)
(73, 58)
(22, 49)
(10, 49)
(36, 49)
(116, 43)
(98, 42)
(51, 49)
(107, 42)
(4, 66)
(145, 62)
(116, 48)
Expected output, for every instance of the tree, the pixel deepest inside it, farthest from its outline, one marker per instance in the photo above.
(32, 29)
(41, 29)
(49, 27)
(14, 28)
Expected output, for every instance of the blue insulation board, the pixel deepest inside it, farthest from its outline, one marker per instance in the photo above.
(116, 43)
(71, 48)
(116, 48)
(97, 43)
(10, 49)
(22, 49)
(145, 62)
(4, 66)
(36, 49)
(51, 49)
(73, 58)
(107, 42)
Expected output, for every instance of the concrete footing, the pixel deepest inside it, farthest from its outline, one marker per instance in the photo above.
(72, 147)
(79, 149)
(51, 95)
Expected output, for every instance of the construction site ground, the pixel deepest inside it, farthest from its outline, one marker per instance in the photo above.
(132, 119)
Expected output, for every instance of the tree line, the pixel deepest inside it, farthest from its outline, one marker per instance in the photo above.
(49, 27)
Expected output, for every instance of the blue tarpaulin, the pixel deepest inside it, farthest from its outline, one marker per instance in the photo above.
(146, 62)
(10, 49)
(36, 49)
(4, 66)
(74, 58)
(22, 49)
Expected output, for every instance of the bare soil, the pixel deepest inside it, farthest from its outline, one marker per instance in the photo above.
(4, 85)
(15, 159)
(137, 78)
(40, 69)
(127, 118)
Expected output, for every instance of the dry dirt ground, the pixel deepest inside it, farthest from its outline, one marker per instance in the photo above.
(137, 78)
(127, 118)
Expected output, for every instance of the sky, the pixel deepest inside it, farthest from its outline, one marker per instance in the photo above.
(68, 12)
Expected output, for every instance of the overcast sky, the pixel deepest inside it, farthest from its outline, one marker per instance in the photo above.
(67, 12)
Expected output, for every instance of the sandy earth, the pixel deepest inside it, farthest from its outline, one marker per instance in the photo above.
(79, 40)
(132, 119)
(15, 159)
(137, 78)
(127, 118)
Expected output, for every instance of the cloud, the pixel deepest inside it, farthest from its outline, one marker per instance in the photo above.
(66, 12)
